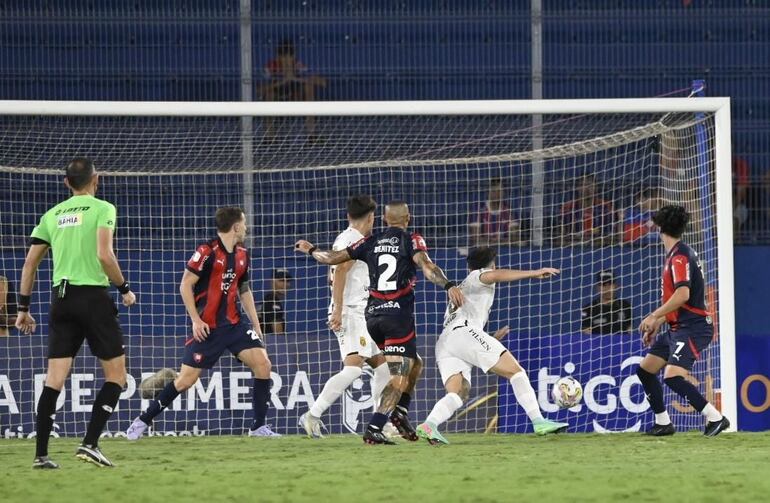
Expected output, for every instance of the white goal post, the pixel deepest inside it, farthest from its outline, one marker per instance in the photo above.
(586, 143)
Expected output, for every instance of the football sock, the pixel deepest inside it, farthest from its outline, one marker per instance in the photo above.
(379, 381)
(662, 418)
(444, 408)
(46, 410)
(105, 403)
(378, 421)
(404, 402)
(166, 396)
(260, 401)
(654, 392)
(711, 413)
(686, 390)
(334, 387)
(525, 395)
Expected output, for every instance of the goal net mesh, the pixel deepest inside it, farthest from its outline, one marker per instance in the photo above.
(575, 193)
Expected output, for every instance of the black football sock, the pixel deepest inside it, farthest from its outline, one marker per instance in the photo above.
(260, 401)
(686, 390)
(105, 403)
(378, 421)
(46, 409)
(165, 397)
(404, 402)
(652, 389)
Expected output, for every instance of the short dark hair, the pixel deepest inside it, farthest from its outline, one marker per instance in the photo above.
(496, 182)
(672, 220)
(227, 216)
(361, 205)
(481, 257)
(79, 172)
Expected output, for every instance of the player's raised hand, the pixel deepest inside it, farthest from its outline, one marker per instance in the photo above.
(25, 323)
(546, 272)
(303, 246)
(456, 296)
(501, 332)
(200, 330)
(129, 299)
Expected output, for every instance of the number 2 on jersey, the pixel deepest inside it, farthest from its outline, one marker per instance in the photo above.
(385, 283)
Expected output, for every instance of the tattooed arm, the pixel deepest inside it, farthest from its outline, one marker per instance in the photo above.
(323, 256)
(435, 275)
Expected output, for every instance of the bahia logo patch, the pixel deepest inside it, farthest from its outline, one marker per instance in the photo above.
(69, 220)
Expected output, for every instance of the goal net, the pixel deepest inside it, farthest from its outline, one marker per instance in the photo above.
(575, 191)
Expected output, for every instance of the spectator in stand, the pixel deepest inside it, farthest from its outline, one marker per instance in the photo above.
(740, 193)
(637, 221)
(271, 315)
(588, 219)
(606, 314)
(7, 306)
(492, 223)
(289, 80)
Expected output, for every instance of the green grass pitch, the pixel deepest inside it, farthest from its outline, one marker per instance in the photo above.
(474, 468)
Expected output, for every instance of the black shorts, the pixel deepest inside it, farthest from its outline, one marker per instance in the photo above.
(683, 347)
(235, 338)
(394, 335)
(85, 313)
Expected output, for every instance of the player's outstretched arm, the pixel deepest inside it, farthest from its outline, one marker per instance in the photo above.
(508, 275)
(435, 275)
(328, 257)
(25, 323)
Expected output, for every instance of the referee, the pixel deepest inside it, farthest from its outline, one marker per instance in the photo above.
(79, 230)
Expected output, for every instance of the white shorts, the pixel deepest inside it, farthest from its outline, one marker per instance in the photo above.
(462, 347)
(353, 337)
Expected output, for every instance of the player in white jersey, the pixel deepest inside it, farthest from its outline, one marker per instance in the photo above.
(463, 344)
(350, 293)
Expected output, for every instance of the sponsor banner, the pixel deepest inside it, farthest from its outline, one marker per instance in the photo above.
(605, 365)
(754, 383)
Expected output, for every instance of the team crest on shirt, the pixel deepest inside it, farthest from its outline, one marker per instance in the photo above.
(198, 357)
(362, 340)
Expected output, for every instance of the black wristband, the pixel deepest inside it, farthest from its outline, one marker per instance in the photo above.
(23, 303)
(124, 288)
(311, 250)
(449, 285)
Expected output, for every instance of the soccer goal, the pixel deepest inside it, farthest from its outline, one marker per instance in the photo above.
(562, 183)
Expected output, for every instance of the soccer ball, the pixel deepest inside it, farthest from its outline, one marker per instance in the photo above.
(567, 392)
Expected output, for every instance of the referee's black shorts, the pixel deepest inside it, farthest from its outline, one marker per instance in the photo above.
(85, 313)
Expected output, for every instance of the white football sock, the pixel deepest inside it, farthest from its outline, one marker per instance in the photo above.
(662, 418)
(444, 408)
(333, 388)
(379, 381)
(711, 413)
(525, 395)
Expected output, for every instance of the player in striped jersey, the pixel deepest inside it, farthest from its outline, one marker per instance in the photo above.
(215, 279)
(690, 331)
(350, 292)
(464, 344)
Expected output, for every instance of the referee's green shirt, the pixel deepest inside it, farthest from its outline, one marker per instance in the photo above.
(70, 229)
